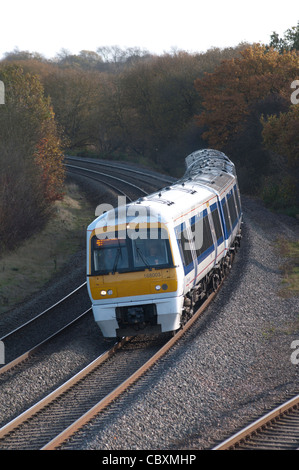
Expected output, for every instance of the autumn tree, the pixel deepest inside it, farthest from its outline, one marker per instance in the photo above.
(162, 100)
(32, 171)
(280, 136)
(111, 120)
(85, 60)
(73, 93)
(17, 55)
(118, 56)
(227, 93)
(246, 148)
(289, 42)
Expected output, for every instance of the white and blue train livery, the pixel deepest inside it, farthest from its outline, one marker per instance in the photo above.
(150, 262)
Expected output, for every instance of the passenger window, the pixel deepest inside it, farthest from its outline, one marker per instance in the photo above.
(226, 217)
(205, 241)
(186, 249)
(232, 208)
(217, 224)
(184, 245)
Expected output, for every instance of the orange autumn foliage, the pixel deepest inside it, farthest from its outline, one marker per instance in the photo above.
(31, 158)
(227, 93)
(49, 158)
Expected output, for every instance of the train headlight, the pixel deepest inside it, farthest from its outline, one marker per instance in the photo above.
(164, 287)
(103, 292)
(110, 292)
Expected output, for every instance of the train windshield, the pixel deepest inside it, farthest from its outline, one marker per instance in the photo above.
(127, 255)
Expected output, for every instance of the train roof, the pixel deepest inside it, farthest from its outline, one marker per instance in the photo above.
(210, 168)
(173, 200)
(205, 160)
(163, 206)
(208, 173)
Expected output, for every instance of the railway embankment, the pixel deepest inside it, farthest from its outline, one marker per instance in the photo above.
(39, 260)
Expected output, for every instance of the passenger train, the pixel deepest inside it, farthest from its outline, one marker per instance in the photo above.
(150, 261)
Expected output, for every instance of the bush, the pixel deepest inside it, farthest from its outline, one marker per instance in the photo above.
(280, 195)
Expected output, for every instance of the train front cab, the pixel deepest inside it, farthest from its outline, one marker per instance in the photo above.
(136, 293)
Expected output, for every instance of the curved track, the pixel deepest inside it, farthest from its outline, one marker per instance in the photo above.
(277, 430)
(49, 423)
(122, 179)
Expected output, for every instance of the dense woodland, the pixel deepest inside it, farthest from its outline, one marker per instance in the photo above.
(135, 106)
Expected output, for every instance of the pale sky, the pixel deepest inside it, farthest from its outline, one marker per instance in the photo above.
(156, 25)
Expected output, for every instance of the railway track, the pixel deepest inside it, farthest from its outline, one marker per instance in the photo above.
(103, 177)
(277, 430)
(54, 419)
(123, 169)
(120, 179)
(26, 339)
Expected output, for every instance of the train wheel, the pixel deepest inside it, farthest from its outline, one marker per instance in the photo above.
(188, 308)
(216, 282)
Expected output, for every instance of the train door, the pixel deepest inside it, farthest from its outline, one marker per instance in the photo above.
(217, 230)
(227, 228)
(204, 244)
(186, 247)
(232, 211)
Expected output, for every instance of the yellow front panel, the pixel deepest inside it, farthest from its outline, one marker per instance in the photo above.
(134, 283)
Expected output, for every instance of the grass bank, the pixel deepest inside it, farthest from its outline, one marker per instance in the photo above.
(37, 260)
(290, 269)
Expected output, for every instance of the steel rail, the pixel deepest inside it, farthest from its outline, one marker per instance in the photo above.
(119, 167)
(107, 176)
(105, 402)
(42, 313)
(35, 349)
(257, 425)
(73, 428)
(115, 188)
(13, 424)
